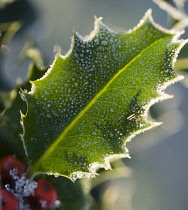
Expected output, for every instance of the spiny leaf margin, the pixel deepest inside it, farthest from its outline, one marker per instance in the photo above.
(90, 169)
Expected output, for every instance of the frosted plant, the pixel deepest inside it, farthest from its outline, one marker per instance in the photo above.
(23, 187)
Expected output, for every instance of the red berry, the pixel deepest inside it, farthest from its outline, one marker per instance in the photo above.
(8, 200)
(8, 163)
(44, 197)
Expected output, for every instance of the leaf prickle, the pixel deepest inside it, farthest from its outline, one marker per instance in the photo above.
(94, 99)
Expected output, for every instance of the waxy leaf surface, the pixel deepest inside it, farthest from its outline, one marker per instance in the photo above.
(94, 99)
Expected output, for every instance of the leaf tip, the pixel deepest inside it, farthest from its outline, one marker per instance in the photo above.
(148, 14)
(149, 18)
(89, 37)
(146, 18)
(97, 20)
(57, 50)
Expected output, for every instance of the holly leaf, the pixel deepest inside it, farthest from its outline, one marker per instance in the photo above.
(95, 98)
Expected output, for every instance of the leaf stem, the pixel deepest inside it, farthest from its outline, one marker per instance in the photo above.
(29, 174)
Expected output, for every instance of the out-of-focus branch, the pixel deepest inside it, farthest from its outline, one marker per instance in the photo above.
(181, 64)
(176, 12)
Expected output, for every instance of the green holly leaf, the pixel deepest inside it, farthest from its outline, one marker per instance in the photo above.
(95, 98)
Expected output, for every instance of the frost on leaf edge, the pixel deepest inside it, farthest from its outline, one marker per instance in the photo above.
(162, 96)
(98, 22)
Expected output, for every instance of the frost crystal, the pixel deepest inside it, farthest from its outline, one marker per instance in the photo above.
(22, 96)
(79, 175)
(43, 203)
(57, 204)
(23, 187)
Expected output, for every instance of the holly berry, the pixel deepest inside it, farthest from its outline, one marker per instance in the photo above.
(8, 200)
(8, 163)
(44, 196)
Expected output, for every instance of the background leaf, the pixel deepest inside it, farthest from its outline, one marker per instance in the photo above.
(95, 99)
(70, 194)
(10, 126)
(7, 31)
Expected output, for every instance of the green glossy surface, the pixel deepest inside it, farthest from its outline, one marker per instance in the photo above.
(95, 98)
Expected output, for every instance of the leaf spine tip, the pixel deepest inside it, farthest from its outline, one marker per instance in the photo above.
(145, 18)
(89, 37)
(97, 19)
(57, 50)
(148, 14)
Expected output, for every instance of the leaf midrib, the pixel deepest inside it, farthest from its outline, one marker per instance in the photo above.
(86, 108)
